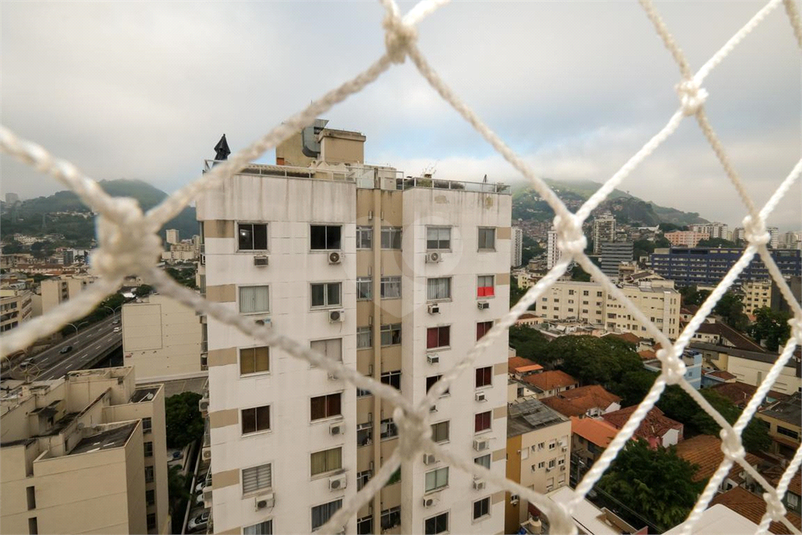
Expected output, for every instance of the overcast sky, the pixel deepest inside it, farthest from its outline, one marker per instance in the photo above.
(144, 90)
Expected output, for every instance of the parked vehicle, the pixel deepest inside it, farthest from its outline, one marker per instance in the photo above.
(199, 522)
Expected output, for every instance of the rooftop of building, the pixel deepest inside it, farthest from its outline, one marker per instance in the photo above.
(653, 426)
(598, 432)
(145, 393)
(718, 520)
(788, 410)
(740, 393)
(753, 508)
(522, 365)
(724, 375)
(589, 518)
(626, 337)
(578, 401)
(105, 440)
(705, 452)
(525, 415)
(647, 354)
(774, 474)
(736, 339)
(550, 380)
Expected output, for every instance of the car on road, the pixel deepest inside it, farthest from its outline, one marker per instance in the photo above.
(117, 329)
(199, 522)
(65, 349)
(25, 363)
(115, 322)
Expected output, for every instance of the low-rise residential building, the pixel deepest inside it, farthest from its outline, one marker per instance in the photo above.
(59, 289)
(740, 393)
(83, 454)
(686, 238)
(591, 400)
(751, 367)
(793, 496)
(705, 452)
(549, 383)
(693, 367)
(785, 424)
(16, 307)
(718, 333)
(589, 519)
(519, 367)
(656, 428)
(538, 454)
(162, 339)
(753, 507)
(589, 438)
(757, 295)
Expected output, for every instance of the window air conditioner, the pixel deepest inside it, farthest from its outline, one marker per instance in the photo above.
(335, 257)
(481, 396)
(265, 501)
(203, 404)
(513, 499)
(434, 308)
(337, 482)
(481, 445)
(260, 260)
(430, 501)
(429, 459)
(478, 484)
(482, 305)
(207, 454)
(266, 322)
(336, 316)
(434, 257)
(433, 358)
(337, 428)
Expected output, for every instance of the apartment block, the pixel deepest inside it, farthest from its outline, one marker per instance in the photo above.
(589, 302)
(162, 339)
(395, 277)
(16, 306)
(517, 247)
(686, 238)
(553, 252)
(83, 454)
(603, 231)
(613, 254)
(757, 295)
(713, 230)
(59, 289)
(538, 454)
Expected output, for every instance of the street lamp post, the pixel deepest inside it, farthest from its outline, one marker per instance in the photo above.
(76, 328)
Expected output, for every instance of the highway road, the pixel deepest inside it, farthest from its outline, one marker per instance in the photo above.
(87, 345)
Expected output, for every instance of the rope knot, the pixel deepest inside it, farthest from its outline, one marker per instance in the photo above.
(774, 507)
(691, 96)
(674, 368)
(570, 239)
(796, 329)
(127, 246)
(731, 445)
(413, 430)
(755, 231)
(398, 37)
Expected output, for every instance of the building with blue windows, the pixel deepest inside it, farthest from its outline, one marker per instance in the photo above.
(706, 266)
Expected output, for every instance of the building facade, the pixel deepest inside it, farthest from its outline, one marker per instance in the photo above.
(16, 307)
(713, 230)
(171, 236)
(59, 289)
(603, 231)
(757, 295)
(396, 278)
(553, 252)
(613, 254)
(517, 247)
(685, 238)
(84, 454)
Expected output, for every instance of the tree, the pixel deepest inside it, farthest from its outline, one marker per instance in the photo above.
(633, 386)
(658, 484)
(692, 296)
(593, 360)
(13, 247)
(528, 342)
(530, 249)
(183, 419)
(770, 328)
(579, 274)
(177, 496)
(143, 290)
(731, 309)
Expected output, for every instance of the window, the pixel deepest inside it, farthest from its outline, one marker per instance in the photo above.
(326, 461)
(484, 376)
(388, 429)
(391, 288)
(430, 381)
(325, 406)
(391, 334)
(33, 526)
(436, 479)
(252, 237)
(792, 500)
(485, 287)
(598, 294)
(436, 524)
(147, 425)
(787, 432)
(325, 237)
(262, 528)
(484, 460)
(148, 474)
(551, 463)
(482, 328)
(30, 493)
(363, 393)
(487, 239)
(255, 419)
(151, 521)
(364, 288)
(326, 294)
(148, 449)
(364, 337)
(254, 299)
(257, 478)
(391, 238)
(391, 517)
(482, 422)
(438, 238)
(254, 360)
(440, 432)
(150, 497)
(541, 464)
(392, 378)
(585, 293)
(481, 508)
(322, 513)
(364, 237)
(364, 434)
(364, 525)
(331, 348)
(438, 288)
(438, 337)
(362, 479)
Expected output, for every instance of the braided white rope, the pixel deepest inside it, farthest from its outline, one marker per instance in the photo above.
(128, 243)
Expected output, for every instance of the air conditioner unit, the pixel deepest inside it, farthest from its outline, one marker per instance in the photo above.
(433, 358)
(482, 305)
(206, 455)
(260, 260)
(434, 308)
(430, 501)
(549, 468)
(337, 428)
(203, 404)
(429, 459)
(513, 499)
(481, 445)
(337, 482)
(433, 258)
(336, 316)
(480, 396)
(565, 448)
(562, 469)
(478, 484)
(267, 322)
(207, 495)
(433, 408)
(335, 257)
(265, 501)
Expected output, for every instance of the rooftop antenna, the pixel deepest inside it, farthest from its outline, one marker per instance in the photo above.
(485, 179)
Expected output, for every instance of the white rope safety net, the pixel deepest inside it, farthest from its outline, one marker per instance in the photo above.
(128, 243)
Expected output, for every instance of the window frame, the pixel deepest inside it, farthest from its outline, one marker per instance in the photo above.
(440, 345)
(253, 237)
(486, 514)
(256, 372)
(394, 236)
(391, 378)
(258, 488)
(437, 487)
(326, 304)
(438, 246)
(483, 326)
(256, 420)
(266, 525)
(484, 370)
(431, 299)
(437, 426)
(390, 281)
(239, 299)
(487, 456)
(364, 234)
(326, 341)
(434, 519)
(328, 405)
(328, 470)
(360, 336)
(361, 293)
(479, 239)
(326, 237)
(390, 328)
(331, 513)
(485, 292)
(476, 422)
(390, 513)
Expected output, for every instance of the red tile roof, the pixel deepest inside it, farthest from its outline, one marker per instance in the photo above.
(653, 427)
(647, 354)
(753, 508)
(740, 393)
(774, 474)
(513, 363)
(735, 339)
(705, 452)
(577, 401)
(550, 380)
(722, 374)
(597, 432)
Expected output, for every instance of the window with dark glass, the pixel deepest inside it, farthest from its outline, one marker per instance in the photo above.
(482, 421)
(255, 419)
(481, 508)
(325, 406)
(487, 239)
(484, 376)
(482, 328)
(252, 236)
(325, 237)
(438, 337)
(436, 524)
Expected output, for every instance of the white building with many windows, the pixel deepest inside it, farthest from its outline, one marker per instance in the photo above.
(395, 277)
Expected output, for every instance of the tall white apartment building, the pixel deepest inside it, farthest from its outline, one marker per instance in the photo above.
(397, 278)
(714, 230)
(603, 231)
(774, 232)
(553, 252)
(517, 247)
